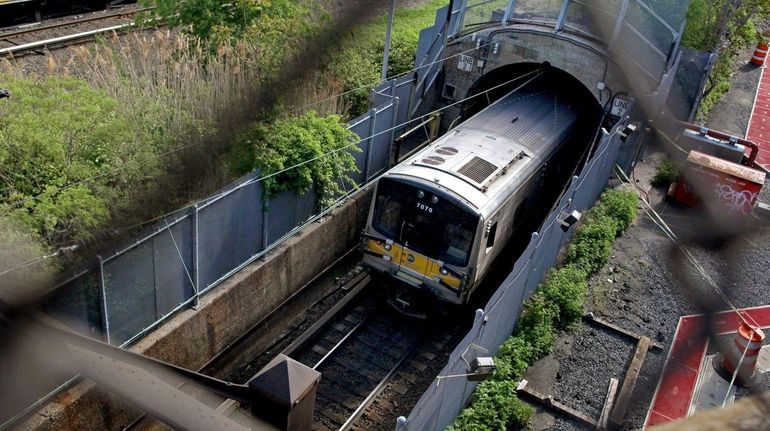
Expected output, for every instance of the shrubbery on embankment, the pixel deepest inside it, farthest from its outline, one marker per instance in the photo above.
(556, 305)
(130, 128)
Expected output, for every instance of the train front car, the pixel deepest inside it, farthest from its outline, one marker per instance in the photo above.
(440, 219)
(421, 235)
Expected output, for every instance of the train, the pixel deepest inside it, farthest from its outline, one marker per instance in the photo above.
(439, 220)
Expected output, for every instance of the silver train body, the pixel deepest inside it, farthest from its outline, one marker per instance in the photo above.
(439, 220)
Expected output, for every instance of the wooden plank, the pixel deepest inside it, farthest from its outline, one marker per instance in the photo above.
(629, 382)
(609, 401)
(598, 320)
(548, 401)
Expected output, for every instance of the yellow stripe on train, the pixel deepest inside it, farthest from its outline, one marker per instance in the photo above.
(414, 262)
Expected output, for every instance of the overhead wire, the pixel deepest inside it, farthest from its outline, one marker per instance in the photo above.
(215, 197)
(24, 200)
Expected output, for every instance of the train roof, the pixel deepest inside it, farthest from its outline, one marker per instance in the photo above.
(496, 150)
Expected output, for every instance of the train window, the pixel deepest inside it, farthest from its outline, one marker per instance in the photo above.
(441, 230)
(491, 236)
(387, 216)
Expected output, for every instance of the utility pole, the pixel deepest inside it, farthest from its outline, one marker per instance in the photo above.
(388, 33)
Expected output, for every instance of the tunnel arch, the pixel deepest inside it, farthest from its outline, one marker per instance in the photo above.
(503, 79)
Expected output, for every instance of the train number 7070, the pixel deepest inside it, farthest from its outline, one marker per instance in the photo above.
(424, 207)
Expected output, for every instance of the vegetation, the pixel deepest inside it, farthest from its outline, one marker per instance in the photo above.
(218, 23)
(558, 304)
(358, 64)
(71, 154)
(130, 128)
(665, 174)
(722, 27)
(303, 152)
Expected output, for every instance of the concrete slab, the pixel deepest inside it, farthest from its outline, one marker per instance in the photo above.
(712, 390)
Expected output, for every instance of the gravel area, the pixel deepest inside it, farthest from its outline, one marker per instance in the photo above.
(637, 291)
(731, 114)
(592, 352)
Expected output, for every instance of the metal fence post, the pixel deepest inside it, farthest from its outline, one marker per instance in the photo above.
(677, 43)
(562, 15)
(460, 16)
(265, 227)
(618, 25)
(532, 265)
(400, 423)
(370, 143)
(699, 94)
(103, 301)
(395, 101)
(195, 258)
(509, 10)
(575, 180)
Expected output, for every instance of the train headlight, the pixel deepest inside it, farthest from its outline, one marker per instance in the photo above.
(420, 194)
(434, 199)
(444, 271)
(388, 247)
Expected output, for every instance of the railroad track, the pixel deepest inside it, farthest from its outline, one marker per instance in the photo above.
(374, 362)
(357, 356)
(39, 38)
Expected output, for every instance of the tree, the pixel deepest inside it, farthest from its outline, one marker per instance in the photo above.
(721, 27)
(72, 156)
(221, 22)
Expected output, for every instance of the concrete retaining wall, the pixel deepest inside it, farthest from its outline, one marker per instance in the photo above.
(192, 337)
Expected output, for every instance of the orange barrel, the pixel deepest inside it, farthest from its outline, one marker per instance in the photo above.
(760, 53)
(748, 339)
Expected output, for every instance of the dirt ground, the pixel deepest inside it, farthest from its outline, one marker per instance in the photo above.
(639, 292)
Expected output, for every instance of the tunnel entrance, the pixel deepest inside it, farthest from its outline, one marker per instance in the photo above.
(501, 81)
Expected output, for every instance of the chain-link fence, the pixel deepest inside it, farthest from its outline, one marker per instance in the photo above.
(689, 82)
(166, 269)
(446, 397)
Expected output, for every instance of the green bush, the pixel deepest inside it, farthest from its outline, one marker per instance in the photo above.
(619, 206)
(665, 174)
(358, 64)
(317, 149)
(724, 28)
(536, 324)
(216, 23)
(495, 405)
(71, 156)
(592, 246)
(566, 287)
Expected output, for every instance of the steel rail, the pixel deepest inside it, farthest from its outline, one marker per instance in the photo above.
(32, 28)
(342, 341)
(369, 400)
(65, 40)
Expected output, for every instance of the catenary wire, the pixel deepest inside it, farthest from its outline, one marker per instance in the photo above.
(20, 202)
(536, 72)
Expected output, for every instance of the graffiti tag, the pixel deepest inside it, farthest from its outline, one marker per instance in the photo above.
(736, 200)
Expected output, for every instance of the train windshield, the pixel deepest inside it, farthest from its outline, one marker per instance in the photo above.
(424, 221)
